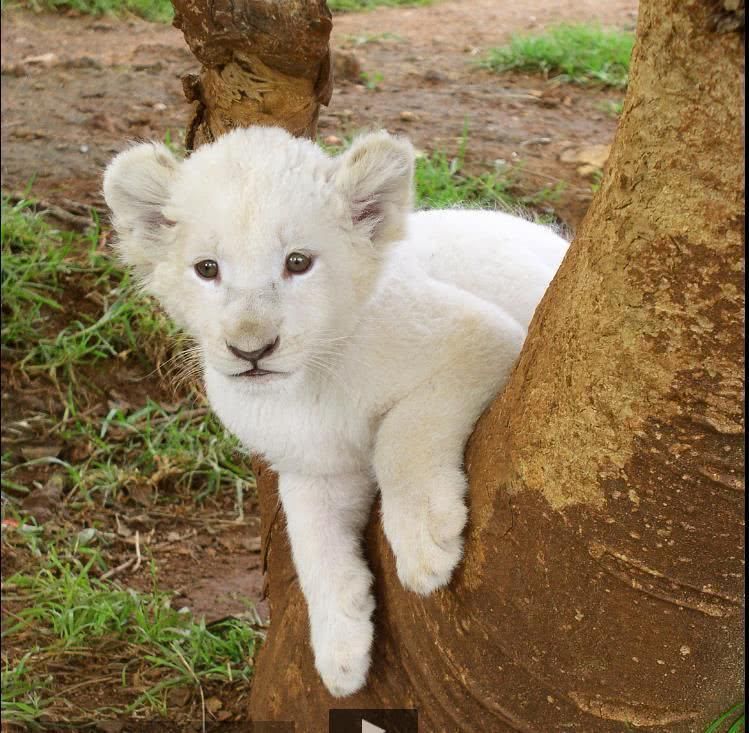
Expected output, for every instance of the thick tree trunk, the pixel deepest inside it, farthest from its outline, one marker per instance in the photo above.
(602, 583)
(265, 62)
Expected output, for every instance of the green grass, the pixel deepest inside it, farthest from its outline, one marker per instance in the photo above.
(340, 6)
(23, 692)
(732, 720)
(442, 181)
(39, 263)
(175, 142)
(44, 272)
(153, 453)
(372, 79)
(156, 647)
(32, 267)
(160, 11)
(573, 53)
(75, 327)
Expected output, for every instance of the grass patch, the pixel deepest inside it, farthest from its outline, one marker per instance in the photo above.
(75, 330)
(151, 454)
(160, 11)
(39, 265)
(343, 6)
(31, 271)
(442, 181)
(372, 79)
(156, 648)
(152, 448)
(578, 54)
(22, 692)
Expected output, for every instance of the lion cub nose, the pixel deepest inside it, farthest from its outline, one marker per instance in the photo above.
(256, 355)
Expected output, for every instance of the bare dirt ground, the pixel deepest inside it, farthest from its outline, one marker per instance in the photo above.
(76, 89)
(109, 81)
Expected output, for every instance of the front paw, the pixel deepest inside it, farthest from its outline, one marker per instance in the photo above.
(342, 633)
(428, 566)
(428, 542)
(342, 653)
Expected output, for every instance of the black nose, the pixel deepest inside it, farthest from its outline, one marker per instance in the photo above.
(254, 356)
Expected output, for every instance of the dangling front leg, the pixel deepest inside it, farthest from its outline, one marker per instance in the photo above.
(326, 516)
(419, 451)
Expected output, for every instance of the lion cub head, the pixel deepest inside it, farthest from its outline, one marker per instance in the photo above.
(260, 245)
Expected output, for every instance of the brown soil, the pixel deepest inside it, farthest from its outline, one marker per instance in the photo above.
(110, 81)
(207, 555)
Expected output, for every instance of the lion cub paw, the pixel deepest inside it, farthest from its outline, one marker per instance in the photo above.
(428, 543)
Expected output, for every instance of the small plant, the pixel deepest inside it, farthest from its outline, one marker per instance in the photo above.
(578, 54)
(372, 80)
(612, 108)
(175, 143)
(22, 695)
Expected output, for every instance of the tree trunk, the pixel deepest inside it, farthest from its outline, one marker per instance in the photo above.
(265, 62)
(603, 574)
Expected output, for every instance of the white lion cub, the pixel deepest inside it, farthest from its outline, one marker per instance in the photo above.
(349, 341)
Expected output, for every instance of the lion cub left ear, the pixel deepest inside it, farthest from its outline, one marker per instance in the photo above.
(375, 176)
(137, 186)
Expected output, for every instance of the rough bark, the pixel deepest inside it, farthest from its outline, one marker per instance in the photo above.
(603, 577)
(264, 62)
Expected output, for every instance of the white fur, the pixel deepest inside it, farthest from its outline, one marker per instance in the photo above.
(391, 345)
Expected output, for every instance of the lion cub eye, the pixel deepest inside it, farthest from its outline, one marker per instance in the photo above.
(297, 263)
(207, 269)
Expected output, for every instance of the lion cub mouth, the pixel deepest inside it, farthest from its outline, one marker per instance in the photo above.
(256, 372)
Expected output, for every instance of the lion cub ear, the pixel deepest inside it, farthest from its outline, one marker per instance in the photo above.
(375, 176)
(136, 188)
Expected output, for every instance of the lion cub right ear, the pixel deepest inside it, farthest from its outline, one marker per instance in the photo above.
(375, 176)
(137, 184)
